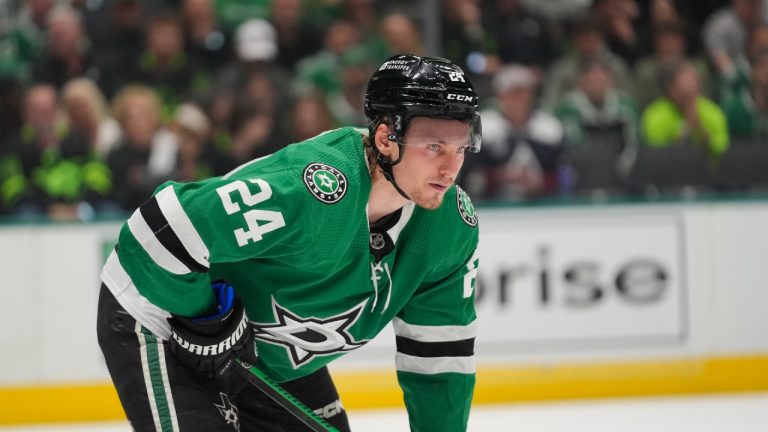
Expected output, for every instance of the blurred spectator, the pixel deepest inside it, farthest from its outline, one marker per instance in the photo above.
(683, 115)
(147, 152)
(322, 71)
(11, 103)
(19, 44)
(165, 65)
(662, 14)
(467, 42)
(41, 129)
(520, 36)
(54, 175)
(253, 79)
(522, 146)
(401, 35)
(256, 49)
(346, 104)
(669, 45)
(309, 117)
(364, 15)
(117, 33)
(68, 54)
(251, 136)
(747, 111)
(192, 130)
(597, 114)
(558, 10)
(219, 108)
(88, 116)
(32, 16)
(250, 93)
(739, 80)
(725, 33)
(207, 42)
(256, 40)
(263, 90)
(588, 42)
(297, 37)
(619, 22)
(42, 125)
(232, 13)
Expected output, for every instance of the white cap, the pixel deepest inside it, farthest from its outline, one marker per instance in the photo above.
(256, 39)
(513, 76)
(193, 119)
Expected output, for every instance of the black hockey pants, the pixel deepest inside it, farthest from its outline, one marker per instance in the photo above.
(159, 394)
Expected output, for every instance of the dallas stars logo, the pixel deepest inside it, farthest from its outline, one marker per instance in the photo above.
(306, 338)
(466, 209)
(228, 411)
(325, 182)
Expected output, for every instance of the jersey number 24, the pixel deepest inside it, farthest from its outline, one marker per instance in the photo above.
(273, 219)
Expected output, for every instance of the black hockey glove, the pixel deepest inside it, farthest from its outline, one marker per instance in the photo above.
(209, 345)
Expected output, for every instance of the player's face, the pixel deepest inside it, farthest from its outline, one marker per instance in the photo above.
(434, 154)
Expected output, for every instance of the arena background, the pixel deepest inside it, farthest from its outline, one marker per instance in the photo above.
(592, 293)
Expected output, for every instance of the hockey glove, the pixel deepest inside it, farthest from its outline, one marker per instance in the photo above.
(209, 345)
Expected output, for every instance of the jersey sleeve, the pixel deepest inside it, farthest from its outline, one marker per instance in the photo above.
(435, 335)
(169, 243)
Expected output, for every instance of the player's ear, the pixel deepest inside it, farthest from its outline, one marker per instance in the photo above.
(382, 139)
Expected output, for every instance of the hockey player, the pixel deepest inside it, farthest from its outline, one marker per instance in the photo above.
(294, 259)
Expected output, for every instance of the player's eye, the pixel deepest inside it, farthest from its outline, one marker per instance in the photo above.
(433, 147)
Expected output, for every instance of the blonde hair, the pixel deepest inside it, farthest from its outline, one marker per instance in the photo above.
(85, 88)
(130, 92)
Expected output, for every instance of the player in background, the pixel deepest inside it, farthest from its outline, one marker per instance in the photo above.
(292, 260)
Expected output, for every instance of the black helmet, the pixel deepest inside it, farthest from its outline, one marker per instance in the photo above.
(408, 86)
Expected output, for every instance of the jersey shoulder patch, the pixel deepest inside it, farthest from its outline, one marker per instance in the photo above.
(325, 182)
(465, 207)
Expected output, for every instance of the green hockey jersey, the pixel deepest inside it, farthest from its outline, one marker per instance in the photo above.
(290, 232)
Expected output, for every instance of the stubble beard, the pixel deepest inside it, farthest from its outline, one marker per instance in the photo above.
(428, 199)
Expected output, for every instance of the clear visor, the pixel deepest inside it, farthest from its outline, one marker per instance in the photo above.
(468, 140)
(475, 134)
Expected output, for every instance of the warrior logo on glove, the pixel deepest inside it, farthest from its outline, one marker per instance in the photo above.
(215, 349)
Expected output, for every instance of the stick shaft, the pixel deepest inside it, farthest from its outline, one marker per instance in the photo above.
(275, 392)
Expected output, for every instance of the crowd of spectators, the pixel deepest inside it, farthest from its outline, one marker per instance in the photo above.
(103, 100)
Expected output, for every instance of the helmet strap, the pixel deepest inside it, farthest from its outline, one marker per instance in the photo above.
(386, 163)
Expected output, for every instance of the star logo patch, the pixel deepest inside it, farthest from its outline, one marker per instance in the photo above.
(466, 209)
(325, 182)
(306, 338)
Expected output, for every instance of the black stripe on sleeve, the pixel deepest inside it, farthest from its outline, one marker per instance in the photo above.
(459, 348)
(159, 225)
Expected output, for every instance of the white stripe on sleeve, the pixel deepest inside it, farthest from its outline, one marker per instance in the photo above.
(434, 365)
(146, 238)
(179, 221)
(129, 297)
(434, 333)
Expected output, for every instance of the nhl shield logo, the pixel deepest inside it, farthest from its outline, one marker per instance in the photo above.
(377, 241)
(325, 182)
(466, 209)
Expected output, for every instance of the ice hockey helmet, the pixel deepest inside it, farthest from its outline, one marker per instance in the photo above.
(408, 86)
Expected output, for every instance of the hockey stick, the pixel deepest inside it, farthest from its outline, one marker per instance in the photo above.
(283, 398)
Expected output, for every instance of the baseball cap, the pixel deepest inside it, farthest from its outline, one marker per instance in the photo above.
(256, 39)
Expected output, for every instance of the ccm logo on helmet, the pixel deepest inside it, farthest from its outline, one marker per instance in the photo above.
(460, 98)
